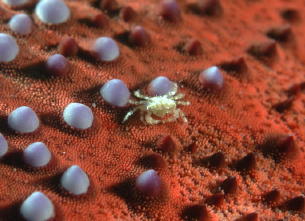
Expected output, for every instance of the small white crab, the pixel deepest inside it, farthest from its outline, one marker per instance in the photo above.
(158, 106)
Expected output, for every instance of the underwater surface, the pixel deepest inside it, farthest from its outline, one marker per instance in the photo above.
(152, 110)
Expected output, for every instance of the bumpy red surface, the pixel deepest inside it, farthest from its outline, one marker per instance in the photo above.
(255, 104)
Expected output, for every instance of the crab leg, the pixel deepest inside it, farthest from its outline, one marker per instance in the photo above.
(183, 102)
(136, 102)
(142, 117)
(182, 115)
(131, 112)
(150, 120)
(178, 96)
(138, 94)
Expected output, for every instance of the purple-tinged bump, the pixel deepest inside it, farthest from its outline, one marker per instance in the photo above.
(37, 207)
(115, 92)
(3, 145)
(16, 3)
(21, 24)
(8, 47)
(170, 10)
(75, 180)
(211, 78)
(57, 64)
(78, 115)
(52, 11)
(105, 49)
(68, 46)
(23, 120)
(139, 36)
(160, 86)
(127, 13)
(37, 155)
(149, 183)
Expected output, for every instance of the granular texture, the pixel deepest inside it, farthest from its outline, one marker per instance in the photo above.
(240, 143)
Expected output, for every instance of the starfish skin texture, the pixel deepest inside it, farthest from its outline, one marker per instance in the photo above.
(239, 157)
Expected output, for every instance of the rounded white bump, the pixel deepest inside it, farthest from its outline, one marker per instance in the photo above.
(37, 155)
(15, 3)
(212, 77)
(3, 145)
(52, 11)
(75, 180)
(8, 48)
(21, 24)
(106, 49)
(23, 119)
(37, 207)
(78, 116)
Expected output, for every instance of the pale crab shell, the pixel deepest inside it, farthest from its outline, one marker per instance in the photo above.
(161, 105)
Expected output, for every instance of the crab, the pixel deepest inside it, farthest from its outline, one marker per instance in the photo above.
(158, 106)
